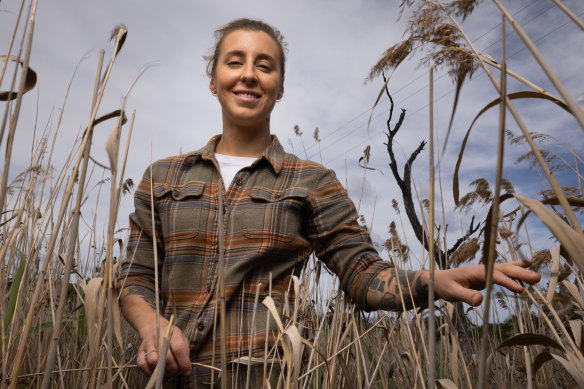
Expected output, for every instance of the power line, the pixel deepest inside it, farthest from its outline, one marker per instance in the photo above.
(451, 90)
(396, 93)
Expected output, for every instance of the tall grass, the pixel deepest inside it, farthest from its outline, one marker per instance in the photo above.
(61, 326)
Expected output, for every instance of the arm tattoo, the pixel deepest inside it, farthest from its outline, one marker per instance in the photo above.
(389, 288)
(148, 295)
(381, 286)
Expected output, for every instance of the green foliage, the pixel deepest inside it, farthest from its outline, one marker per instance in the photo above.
(14, 289)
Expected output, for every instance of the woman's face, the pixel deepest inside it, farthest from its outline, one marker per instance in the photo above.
(247, 78)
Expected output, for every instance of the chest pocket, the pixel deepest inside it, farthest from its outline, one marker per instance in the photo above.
(180, 209)
(276, 215)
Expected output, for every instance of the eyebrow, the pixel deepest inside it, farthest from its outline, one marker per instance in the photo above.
(242, 54)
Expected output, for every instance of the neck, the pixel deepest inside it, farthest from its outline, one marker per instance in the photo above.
(242, 143)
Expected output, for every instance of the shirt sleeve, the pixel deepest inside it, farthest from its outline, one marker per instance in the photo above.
(340, 242)
(138, 263)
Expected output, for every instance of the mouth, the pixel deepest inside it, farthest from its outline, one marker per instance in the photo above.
(247, 94)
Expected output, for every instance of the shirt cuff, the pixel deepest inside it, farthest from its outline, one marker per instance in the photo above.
(357, 284)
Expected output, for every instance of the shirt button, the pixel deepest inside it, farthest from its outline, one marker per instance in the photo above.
(200, 326)
(239, 182)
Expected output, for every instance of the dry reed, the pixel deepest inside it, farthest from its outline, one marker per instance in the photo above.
(59, 310)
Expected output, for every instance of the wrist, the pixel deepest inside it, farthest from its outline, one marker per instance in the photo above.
(148, 326)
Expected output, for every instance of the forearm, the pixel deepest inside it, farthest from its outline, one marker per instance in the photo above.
(139, 308)
(396, 290)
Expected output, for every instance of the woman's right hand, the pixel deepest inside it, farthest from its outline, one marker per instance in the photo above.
(138, 307)
(177, 358)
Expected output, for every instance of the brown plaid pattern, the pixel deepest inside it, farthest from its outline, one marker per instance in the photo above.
(276, 213)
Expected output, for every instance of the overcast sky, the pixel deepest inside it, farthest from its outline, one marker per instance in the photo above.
(331, 47)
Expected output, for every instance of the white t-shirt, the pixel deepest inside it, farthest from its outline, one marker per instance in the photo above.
(230, 165)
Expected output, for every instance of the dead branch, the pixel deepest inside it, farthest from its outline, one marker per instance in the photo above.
(405, 186)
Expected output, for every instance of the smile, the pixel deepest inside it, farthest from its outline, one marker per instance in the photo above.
(246, 94)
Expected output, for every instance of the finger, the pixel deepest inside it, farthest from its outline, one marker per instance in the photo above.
(151, 359)
(142, 364)
(519, 273)
(469, 296)
(171, 364)
(521, 263)
(180, 349)
(500, 278)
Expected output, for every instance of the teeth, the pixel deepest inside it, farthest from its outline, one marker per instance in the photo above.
(246, 95)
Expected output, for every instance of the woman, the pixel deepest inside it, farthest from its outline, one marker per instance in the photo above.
(263, 211)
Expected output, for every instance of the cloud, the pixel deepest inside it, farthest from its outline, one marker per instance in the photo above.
(332, 45)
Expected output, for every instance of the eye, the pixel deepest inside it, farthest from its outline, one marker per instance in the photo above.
(234, 63)
(265, 67)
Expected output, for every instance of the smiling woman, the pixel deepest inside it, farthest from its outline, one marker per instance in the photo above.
(247, 81)
(221, 228)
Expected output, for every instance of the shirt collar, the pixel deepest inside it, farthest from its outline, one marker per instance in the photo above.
(274, 153)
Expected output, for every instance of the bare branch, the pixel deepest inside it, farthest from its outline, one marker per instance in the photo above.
(405, 184)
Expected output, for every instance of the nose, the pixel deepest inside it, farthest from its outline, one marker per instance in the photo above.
(248, 73)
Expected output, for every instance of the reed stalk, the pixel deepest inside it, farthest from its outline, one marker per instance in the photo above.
(549, 175)
(52, 354)
(120, 35)
(571, 14)
(51, 246)
(10, 44)
(347, 348)
(221, 276)
(431, 312)
(365, 159)
(494, 222)
(256, 299)
(572, 104)
(17, 105)
(112, 148)
(163, 352)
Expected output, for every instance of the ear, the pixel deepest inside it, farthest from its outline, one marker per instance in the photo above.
(212, 86)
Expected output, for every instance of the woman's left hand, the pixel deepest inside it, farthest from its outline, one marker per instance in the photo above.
(463, 283)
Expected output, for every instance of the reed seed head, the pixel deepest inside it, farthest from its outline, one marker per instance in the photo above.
(297, 130)
(395, 206)
(540, 258)
(465, 253)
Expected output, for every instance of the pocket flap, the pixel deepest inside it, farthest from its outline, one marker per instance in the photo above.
(179, 192)
(269, 195)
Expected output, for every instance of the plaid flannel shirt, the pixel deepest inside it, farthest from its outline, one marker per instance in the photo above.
(276, 213)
